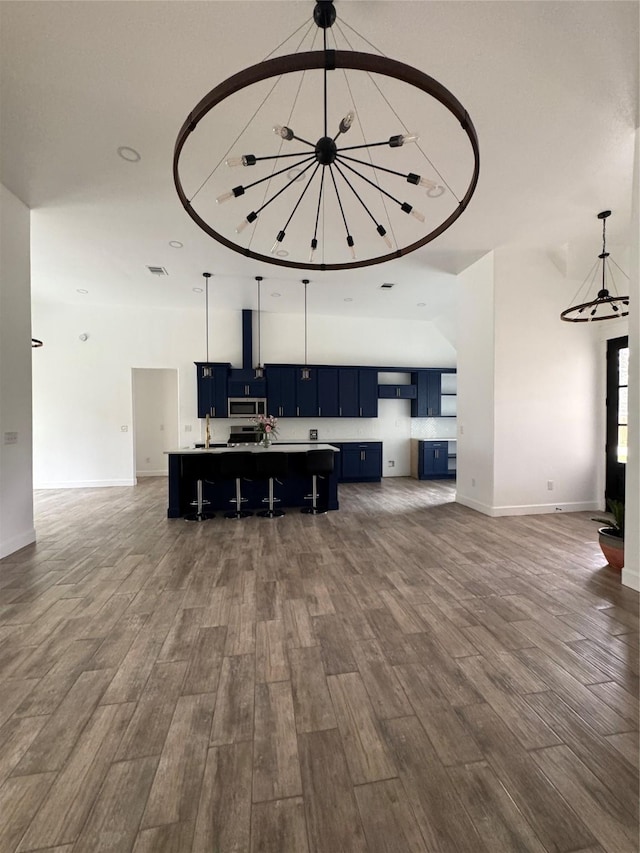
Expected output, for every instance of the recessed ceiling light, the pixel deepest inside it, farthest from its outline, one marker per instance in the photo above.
(275, 295)
(176, 244)
(348, 299)
(197, 289)
(82, 290)
(282, 253)
(421, 304)
(128, 154)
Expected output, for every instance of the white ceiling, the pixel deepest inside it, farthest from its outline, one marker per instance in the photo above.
(552, 88)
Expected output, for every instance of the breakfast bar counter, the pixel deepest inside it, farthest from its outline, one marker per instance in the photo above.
(187, 465)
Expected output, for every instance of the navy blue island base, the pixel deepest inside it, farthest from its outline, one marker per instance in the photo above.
(292, 492)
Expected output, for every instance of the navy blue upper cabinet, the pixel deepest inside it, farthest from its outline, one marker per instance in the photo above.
(397, 392)
(368, 393)
(427, 401)
(212, 389)
(307, 393)
(242, 383)
(328, 397)
(348, 392)
(281, 391)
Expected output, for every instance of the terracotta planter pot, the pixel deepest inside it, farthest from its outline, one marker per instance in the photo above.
(612, 547)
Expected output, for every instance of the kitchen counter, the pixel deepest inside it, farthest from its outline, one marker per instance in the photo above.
(289, 447)
(292, 491)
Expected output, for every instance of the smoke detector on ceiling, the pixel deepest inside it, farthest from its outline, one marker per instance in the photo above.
(157, 270)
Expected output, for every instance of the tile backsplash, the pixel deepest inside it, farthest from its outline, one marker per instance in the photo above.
(433, 428)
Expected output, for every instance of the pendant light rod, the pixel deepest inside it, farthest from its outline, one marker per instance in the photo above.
(305, 281)
(259, 373)
(305, 373)
(206, 276)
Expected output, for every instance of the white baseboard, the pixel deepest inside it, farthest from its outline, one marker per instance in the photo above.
(83, 484)
(10, 546)
(527, 509)
(631, 579)
(161, 472)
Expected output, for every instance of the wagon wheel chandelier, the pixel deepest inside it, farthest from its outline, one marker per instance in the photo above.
(604, 306)
(324, 189)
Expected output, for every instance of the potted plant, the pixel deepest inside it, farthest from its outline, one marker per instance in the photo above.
(611, 537)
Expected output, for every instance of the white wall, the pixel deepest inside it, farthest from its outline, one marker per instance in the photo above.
(476, 345)
(546, 401)
(16, 497)
(631, 571)
(83, 390)
(528, 390)
(155, 414)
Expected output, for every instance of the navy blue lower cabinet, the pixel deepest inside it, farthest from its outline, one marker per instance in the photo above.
(361, 462)
(433, 460)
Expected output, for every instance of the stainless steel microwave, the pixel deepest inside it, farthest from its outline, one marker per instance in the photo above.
(247, 407)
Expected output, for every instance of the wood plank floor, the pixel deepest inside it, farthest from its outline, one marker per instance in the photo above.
(402, 676)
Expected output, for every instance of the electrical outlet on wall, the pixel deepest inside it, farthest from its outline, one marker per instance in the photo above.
(391, 463)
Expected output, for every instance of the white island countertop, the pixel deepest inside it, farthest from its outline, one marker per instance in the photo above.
(255, 448)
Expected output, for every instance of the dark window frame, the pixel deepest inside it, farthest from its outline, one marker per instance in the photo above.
(615, 471)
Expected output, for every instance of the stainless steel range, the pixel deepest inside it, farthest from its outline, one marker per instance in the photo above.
(243, 435)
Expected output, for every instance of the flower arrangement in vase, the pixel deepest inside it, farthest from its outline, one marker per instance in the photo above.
(268, 428)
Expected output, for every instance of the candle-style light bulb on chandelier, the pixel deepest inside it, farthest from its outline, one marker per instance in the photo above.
(604, 306)
(326, 205)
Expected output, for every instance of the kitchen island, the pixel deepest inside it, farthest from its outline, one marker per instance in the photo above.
(219, 492)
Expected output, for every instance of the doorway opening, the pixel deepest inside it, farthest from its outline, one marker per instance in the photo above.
(155, 419)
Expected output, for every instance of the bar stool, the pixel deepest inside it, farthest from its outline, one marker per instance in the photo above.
(200, 467)
(317, 463)
(237, 466)
(270, 466)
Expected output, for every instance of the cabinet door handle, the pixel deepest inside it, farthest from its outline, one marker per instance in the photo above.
(360, 411)
(319, 411)
(213, 411)
(339, 411)
(397, 392)
(279, 411)
(298, 411)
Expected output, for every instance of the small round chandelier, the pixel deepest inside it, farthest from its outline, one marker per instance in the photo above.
(600, 277)
(324, 204)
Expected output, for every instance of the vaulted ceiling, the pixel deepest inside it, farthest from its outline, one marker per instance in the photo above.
(552, 88)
